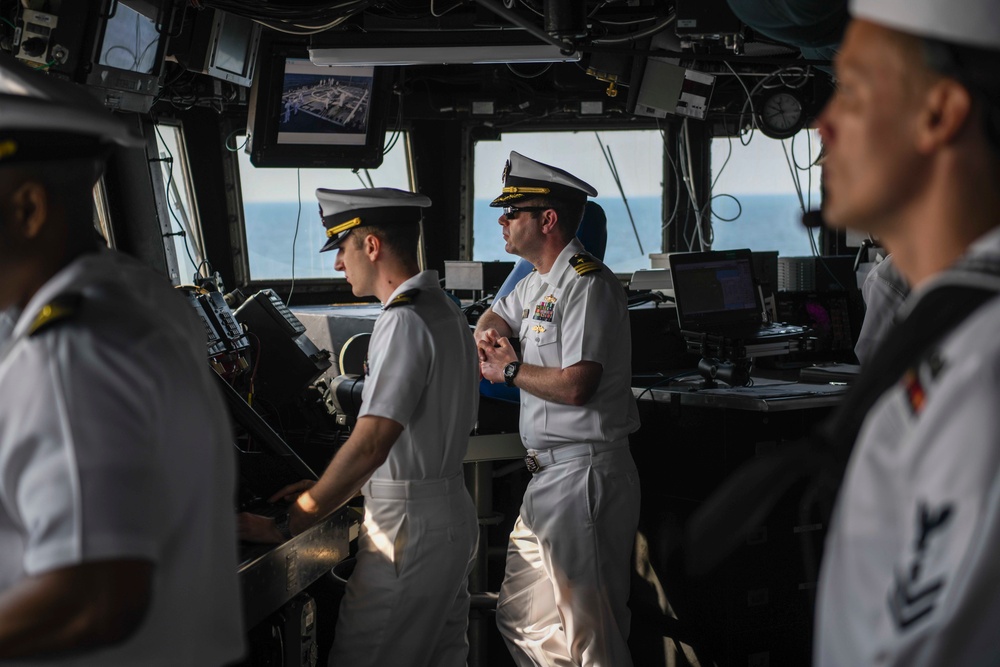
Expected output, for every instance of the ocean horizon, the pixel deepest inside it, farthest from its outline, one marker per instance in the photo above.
(767, 222)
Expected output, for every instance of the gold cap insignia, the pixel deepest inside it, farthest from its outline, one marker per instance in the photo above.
(342, 227)
(7, 148)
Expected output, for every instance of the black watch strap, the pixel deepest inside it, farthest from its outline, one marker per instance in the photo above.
(510, 372)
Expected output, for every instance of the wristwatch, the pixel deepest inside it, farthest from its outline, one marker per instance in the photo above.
(510, 372)
(281, 523)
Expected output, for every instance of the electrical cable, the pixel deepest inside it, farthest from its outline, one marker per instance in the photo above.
(173, 214)
(298, 19)
(454, 6)
(232, 134)
(814, 247)
(542, 70)
(687, 166)
(396, 131)
(651, 30)
(749, 100)
(662, 382)
(677, 180)
(295, 236)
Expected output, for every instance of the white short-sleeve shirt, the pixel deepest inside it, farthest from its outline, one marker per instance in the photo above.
(883, 291)
(562, 318)
(423, 373)
(115, 444)
(910, 573)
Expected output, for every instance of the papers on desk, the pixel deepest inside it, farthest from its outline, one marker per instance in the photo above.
(822, 374)
(778, 391)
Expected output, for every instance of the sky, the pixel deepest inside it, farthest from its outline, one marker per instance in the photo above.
(269, 185)
(758, 168)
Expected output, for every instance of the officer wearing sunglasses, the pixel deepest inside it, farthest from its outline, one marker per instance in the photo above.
(565, 590)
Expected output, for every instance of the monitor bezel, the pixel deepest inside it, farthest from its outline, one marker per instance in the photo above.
(211, 66)
(263, 122)
(125, 90)
(680, 262)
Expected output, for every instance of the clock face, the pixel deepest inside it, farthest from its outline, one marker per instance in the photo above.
(781, 115)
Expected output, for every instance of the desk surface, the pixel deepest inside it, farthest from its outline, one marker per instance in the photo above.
(764, 396)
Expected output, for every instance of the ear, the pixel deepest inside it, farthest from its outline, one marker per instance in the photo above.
(550, 221)
(29, 204)
(947, 109)
(372, 247)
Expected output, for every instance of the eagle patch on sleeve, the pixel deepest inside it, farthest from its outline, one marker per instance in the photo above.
(583, 263)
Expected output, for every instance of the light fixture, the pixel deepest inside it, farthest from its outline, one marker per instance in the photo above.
(440, 55)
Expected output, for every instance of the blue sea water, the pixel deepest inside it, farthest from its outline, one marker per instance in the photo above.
(765, 222)
(762, 222)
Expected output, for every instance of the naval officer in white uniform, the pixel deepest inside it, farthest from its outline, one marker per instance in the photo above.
(911, 569)
(117, 472)
(407, 601)
(565, 590)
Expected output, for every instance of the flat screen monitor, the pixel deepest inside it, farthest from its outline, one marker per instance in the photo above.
(219, 44)
(128, 58)
(233, 48)
(304, 115)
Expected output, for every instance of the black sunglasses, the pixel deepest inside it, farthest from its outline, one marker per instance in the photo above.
(510, 212)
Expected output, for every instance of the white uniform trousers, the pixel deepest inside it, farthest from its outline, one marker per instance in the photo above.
(563, 601)
(407, 601)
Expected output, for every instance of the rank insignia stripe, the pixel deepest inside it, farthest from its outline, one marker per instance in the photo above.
(60, 309)
(583, 263)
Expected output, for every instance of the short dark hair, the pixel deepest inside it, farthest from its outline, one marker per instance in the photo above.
(979, 71)
(570, 213)
(400, 238)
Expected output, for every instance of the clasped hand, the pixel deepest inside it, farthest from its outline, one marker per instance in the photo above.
(495, 352)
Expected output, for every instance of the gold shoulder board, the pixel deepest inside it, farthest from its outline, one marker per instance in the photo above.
(583, 263)
(61, 309)
(403, 299)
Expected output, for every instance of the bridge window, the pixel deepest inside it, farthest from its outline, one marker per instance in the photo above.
(283, 229)
(632, 159)
(756, 195)
(102, 213)
(185, 226)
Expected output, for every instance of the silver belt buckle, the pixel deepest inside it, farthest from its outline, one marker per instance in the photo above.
(532, 464)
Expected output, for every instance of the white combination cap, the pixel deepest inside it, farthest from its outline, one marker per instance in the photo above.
(973, 23)
(343, 210)
(524, 178)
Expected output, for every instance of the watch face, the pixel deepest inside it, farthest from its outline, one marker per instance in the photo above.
(781, 114)
(509, 372)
